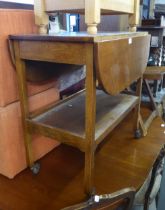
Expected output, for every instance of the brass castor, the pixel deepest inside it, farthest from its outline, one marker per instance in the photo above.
(138, 134)
(35, 168)
(90, 195)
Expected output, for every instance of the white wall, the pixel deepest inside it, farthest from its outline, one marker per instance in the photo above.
(21, 1)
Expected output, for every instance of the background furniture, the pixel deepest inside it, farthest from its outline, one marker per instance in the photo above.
(154, 74)
(147, 196)
(92, 9)
(160, 8)
(12, 149)
(156, 47)
(147, 8)
(155, 181)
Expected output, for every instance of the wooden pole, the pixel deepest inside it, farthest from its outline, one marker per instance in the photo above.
(92, 15)
(134, 18)
(41, 18)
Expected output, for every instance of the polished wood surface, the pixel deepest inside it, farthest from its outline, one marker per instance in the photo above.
(75, 51)
(120, 162)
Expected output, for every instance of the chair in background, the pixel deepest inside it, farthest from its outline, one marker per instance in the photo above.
(147, 196)
(123, 198)
(155, 74)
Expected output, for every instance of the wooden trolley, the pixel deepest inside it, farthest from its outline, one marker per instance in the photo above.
(84, 119)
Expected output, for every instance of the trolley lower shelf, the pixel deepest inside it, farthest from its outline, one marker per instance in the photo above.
(66, 121)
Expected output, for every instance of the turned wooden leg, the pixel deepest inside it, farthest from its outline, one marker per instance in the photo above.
(132, 28)
(138, 125)
(41, 18)
(134, 18)
(92, 28)
(92, 15)
(43, 29)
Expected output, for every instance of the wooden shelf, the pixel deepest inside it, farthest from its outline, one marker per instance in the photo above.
(70, 116)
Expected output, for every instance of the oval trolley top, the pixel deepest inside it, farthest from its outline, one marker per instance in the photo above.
(119, 58)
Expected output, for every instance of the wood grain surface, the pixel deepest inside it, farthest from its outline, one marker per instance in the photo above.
(120, 62)
(120, 162)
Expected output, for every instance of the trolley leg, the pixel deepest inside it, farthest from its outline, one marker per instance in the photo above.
(34, 167)
(137, 124)
(21, 76)
(90, 115)
(89, 172)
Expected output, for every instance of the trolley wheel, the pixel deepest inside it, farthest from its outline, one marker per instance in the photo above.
(35, 168)
(138, 134)
(93, 193)
(90, 195)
